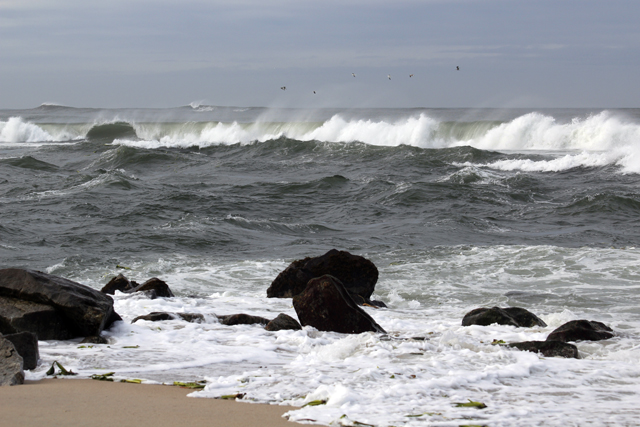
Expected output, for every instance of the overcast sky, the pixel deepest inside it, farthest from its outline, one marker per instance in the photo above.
(165, 53)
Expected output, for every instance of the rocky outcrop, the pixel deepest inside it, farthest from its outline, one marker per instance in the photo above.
(514, 316)
(153, 287)
(242, 319)
(78, 310)
(283, 322)
(326, 305)
(11, 371)
(157, 316)
(581, 330)
(548, 348)
(26, 344)
(357, 274)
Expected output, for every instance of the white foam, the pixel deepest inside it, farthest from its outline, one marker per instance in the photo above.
(15, 130)
(369, 378)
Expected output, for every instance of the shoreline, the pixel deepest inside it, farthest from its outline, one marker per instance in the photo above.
(91, 403)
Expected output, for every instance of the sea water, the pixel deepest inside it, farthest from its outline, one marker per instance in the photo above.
(458, 209)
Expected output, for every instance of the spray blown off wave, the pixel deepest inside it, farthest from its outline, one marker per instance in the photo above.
(595, 141)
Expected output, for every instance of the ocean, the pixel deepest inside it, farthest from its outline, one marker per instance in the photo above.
(457, 208)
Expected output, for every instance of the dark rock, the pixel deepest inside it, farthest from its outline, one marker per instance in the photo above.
(152, 288)
(85, 310)
(26, 316)
(281, 322)
(156, 285)
(95, 340)
(514, 316)
(357, 274)
(242, 319)
(118, 283)
(26, 344)
(11, 371)
(157, 316)
(327, 306)
(581, 330)
(548, 348)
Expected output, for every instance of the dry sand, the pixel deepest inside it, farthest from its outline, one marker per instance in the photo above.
(91, 403)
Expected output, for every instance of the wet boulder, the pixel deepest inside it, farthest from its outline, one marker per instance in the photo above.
(158, 316)
(548, 348)
(119, 283)
(242, 319)
(357, 274)
(514, 316)
(43, 320)
(283, 322)
(153, 287)
(78, 310)
(26, 344)
(11, 370)
(326, 305)
(581, 330)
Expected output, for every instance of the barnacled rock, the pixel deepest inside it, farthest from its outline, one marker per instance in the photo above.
(85, 311)
(581, 330)
(514, 316)
(548, 348)
(26, 344)
(327, 306)
(357, 274)
(11, 371)
(282, 322)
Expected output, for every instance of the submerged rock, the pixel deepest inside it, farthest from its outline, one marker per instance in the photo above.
(548, 348)
(327, 306)
(26, 344)
(99, 339)
(357, 274)
(242, 319)
(282, 322)
(11, 365)
(514, 316)
(157, 316)
(78, 310)
(581, 330)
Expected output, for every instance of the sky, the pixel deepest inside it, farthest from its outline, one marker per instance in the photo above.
(168, 53)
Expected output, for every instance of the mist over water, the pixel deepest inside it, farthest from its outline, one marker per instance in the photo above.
(458, 208)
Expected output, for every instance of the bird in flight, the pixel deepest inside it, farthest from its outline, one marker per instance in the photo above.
(283, 88)
(457, 68)
(314, 92)
(389, 76)
(410, 75)
(353, 74)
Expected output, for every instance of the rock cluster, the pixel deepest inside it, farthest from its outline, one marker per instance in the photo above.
(357, 274)
(557, 342)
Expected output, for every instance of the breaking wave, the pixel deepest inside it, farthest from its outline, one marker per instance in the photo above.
(595, 141)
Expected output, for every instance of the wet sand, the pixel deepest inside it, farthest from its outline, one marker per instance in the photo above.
(91, 403)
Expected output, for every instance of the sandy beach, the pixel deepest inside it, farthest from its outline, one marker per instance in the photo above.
(90, 403)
